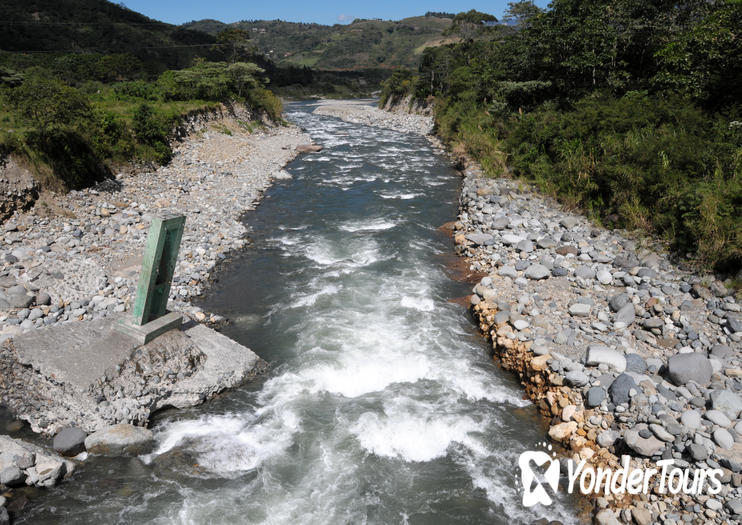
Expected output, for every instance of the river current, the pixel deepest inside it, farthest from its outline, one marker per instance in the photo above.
(382, 403)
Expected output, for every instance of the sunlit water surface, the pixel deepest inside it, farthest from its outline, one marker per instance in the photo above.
(382, 404)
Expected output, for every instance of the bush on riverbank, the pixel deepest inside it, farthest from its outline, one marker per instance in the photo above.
(639, 129)
(72, 134)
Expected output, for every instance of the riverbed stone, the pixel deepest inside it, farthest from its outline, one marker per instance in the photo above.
(621, 388)
(537, 272)
(601, 354)
(689, 367)
(723, 438)
(482, 239)
(625, 315)
(727, 402)
(595, 396)
(120, 440)
(691, 419)
(70, 441)
(579, 309)
(697, 451)
(647, 447)
(718, 418)
(577, 378)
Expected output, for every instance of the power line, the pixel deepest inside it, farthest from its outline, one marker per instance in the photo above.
(93, 50)
(41, 22)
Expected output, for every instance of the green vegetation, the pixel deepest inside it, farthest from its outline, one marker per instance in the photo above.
(629, 110)
(98, 26)
(72, 134)
(87, 84)
(361, 45)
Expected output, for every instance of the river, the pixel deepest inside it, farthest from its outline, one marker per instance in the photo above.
(382, 404)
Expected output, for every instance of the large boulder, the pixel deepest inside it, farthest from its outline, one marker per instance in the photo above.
(692, 366)
(70, 441)
(120, 440)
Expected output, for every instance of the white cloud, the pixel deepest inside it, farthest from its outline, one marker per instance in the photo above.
(346, 18)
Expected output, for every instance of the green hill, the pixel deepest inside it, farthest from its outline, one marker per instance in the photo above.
(363, 44)
(98, 26)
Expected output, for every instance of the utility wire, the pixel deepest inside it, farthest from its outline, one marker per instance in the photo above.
(94, 50)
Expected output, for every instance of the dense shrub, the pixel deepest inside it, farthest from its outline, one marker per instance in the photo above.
(627, 109)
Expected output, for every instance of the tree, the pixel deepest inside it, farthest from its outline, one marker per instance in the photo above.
(244, 76)
(520, 13)
(49, 103)
(237, 42)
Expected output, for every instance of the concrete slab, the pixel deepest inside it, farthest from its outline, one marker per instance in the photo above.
(90, 375)
(75, 353)
(145, 333)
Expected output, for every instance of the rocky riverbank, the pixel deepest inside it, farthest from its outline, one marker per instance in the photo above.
(365, 112)
(624, 352)
(76, 257)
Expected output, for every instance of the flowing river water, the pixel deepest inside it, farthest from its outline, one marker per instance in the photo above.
(382, 404)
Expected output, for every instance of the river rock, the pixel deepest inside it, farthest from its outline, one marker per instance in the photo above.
(481, 239)
(537, 272)
(12, 476)
(604, 276)
(601, 354)
(119, 440)
(648, 447)
(608, 438)
(691, 420)
(70, 441)
(698, 452)
(562, 431)
(641, 516)
(692, 366)
(718, 418)
(309, 148)
(620, 389)
(577, 378)
(579, 309)
(618, 301)
(723, 438)
(727, 402)
(595, 396)
(508, 271)
(625, 315)
(635, 363)
(606, 517)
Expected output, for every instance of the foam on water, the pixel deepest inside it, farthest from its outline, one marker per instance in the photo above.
(372, 225)
(382, 404)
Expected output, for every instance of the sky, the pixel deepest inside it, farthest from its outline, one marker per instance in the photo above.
(322, 12)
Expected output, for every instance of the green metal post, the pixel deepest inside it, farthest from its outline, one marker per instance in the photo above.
(158, 266)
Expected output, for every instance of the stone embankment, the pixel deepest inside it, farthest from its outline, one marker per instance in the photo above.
(624, 352)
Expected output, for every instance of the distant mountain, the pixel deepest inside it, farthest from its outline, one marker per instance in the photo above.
(65, 26)
(363, 44)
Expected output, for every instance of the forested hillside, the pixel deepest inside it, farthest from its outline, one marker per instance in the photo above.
(86, 85)
(98, 26)
(628, 109)
(363, 44)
